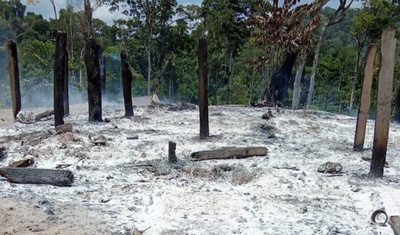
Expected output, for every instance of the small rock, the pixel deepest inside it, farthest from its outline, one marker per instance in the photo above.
(132, 137)
(303, 209)
(265, 116)
(330, 167)
(64, 128)
(26, 117)
(355, 188)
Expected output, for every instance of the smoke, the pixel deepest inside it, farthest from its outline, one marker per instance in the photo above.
(5, 93)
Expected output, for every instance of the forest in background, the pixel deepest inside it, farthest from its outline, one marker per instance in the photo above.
(160, 38)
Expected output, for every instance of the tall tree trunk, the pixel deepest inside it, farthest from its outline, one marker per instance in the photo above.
(297, 81)
(148, 68)
(127, 79)
(353, 86)
(93, 79)
(278, 89)
(315, 64)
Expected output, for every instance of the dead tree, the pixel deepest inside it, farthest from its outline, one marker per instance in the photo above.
(59, 77)
(102, 61)
(365, 99)
(126, 75)
(14, 77)
(383, 109)
(203, 90)
(94, 81)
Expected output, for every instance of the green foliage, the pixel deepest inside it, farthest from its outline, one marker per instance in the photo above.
(169, 34)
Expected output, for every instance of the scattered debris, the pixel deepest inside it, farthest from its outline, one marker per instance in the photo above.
(330, 167)
(136, 231)
(62, 166)
(26, 117)
(132, 137)
(268, 129)
(23, 163)
(64, 128)
(98, 140)
(3, 152)
(286, 167)
(229, 153)
(267, 115)
(45, 114)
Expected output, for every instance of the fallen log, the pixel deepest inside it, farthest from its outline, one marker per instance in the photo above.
(37, 176)
(229, 153)
(45, 114)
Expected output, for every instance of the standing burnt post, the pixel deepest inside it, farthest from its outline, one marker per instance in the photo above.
(203, 90)
(94, 81)
(171, 152)
(383, 108)
(14, 77)
(102, 61)
(66, 82)
(126, 75)
(59, 77)
(365, 99)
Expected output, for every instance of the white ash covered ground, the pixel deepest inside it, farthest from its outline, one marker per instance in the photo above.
(281, 193)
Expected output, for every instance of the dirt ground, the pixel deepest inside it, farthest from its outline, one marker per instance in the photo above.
(6, 117)
(18, 217)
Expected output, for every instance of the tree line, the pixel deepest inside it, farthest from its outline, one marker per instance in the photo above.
(293, 54)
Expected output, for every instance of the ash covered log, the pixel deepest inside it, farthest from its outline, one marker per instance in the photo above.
(37, 176)
(44, 114)
(229, 153)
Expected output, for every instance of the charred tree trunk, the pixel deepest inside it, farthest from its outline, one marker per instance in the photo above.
(60, 77)
(94, 81)
(127, 78)
(203, 89)
(66, 81)
(102, 62)
(14, 77)
(278, 89)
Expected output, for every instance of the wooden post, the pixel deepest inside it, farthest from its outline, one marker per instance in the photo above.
(127, 78)
(66, 82)
(14, 77)
(102, 61)
(203, 90)
(171, 152)
(385, 93)
(365, 99)
(94, 80)
(59, 77)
